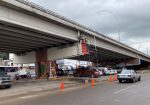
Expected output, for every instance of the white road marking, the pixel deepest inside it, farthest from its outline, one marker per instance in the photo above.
(30, 96)
(124, 89)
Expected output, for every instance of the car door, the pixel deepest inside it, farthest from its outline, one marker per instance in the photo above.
(135, 75)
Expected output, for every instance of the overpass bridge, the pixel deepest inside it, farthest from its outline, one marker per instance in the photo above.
(36, 34)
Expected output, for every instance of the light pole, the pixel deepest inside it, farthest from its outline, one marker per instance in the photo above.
(117, 25)
(95, 37)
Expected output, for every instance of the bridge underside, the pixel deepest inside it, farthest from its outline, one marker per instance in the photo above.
(18, 39)
(102, 55)
(39, 37)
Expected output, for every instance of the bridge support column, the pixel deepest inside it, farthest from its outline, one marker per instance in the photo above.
(44, 67)
(41, 63)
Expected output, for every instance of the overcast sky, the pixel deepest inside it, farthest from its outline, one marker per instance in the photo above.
(129, 18)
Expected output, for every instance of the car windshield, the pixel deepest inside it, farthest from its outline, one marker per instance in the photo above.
(126, 72)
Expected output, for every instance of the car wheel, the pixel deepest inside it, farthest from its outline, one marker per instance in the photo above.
(8, 86)
(17, 78)
(120, 81)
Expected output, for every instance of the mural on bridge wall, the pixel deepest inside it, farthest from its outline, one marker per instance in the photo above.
(51, 68)
(41, 69)
(45, 69)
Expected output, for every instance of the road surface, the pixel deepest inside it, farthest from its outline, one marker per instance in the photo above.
(105, 93)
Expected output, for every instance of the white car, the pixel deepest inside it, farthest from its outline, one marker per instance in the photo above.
(23, 73)
(32, 73)
(128, 75)
(99, 72)
(112, 71)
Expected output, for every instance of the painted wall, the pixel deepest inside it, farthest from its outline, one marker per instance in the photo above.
(25, 59)
(59, 53)
(52, 54)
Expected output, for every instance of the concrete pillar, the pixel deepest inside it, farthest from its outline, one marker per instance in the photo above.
(41, 55)
(41, 63)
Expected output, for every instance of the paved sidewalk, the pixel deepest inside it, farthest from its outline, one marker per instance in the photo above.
(34, 86)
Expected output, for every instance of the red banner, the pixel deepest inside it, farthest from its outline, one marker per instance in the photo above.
(84, 47)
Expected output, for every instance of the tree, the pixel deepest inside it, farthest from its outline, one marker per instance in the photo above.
(4, 56)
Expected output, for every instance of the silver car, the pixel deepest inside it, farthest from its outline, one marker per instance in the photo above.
(128, 75)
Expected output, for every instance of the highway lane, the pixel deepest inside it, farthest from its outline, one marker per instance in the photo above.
(105, 93)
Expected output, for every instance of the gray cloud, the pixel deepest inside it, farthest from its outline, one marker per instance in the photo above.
(131, 18)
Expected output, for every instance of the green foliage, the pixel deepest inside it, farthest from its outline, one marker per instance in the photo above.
(5, 56)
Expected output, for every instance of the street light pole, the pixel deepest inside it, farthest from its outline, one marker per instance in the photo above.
(117, 25)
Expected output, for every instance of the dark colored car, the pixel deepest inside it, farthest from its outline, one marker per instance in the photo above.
(60, 72)
(86, 72)
(128, 75)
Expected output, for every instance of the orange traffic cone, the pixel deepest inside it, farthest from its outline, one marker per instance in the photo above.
(92, 82)
(62, 86)
(110, 78)
(115, 77)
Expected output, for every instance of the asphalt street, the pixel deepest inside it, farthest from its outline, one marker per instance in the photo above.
(104, 93)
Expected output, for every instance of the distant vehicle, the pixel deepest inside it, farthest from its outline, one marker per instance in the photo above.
(128, 75)
(62, 72)
(10, 70)
(71, 72)
(32, 73)
(66, 70)
(100, 72)
(102, 69)
(23, 73)
(108, 71)
(5, 80)
(86, 72)
(59, 72)
(112, 71)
